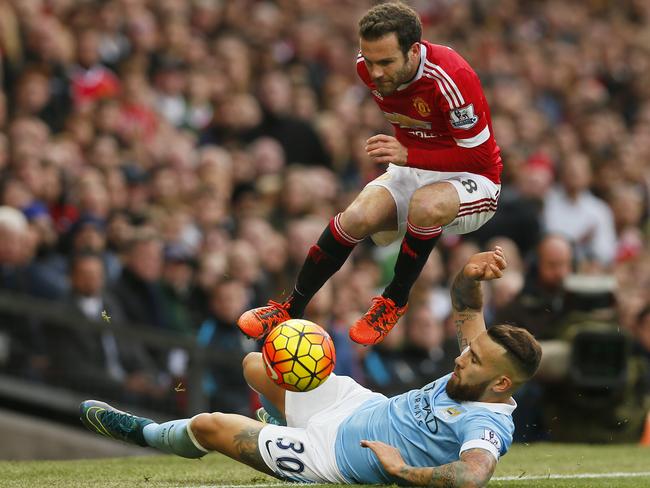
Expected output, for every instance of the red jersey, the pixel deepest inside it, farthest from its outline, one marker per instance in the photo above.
(441, 115)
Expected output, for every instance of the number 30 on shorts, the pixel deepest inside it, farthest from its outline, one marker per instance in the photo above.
(289, 463)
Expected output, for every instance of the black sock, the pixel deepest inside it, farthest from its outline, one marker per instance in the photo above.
(413, 254)
(323, 260)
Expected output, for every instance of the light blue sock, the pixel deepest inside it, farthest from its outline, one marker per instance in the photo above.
(174, 437)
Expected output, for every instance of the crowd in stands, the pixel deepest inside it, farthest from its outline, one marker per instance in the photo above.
(169, 163)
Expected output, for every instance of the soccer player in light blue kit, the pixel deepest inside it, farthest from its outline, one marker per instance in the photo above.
(449, 433)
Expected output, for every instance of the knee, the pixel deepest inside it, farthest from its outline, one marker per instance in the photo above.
(428, 209)
(357, 221)
(205, 425)
(250, 362)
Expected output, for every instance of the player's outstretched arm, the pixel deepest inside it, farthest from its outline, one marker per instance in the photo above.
(466, 295)
(474, 469)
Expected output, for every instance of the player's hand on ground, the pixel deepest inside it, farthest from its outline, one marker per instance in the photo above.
(386, 149)
(390, 458)
(486, 266)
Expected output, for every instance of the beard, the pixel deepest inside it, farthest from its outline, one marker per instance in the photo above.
(465, 393)
(402, 76)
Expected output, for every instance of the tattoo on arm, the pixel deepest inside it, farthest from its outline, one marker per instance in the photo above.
(444, 476)
(459, 321)
(467, 300)
(466, 294)
(475, 468)
(247, 449)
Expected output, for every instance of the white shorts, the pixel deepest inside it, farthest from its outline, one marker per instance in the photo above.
(304, 449)
(478, 198)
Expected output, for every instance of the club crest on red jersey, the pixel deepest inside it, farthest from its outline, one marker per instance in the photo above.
(421, 106)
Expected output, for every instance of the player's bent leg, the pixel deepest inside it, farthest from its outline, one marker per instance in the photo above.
(372, 211)
(234, 435)
(434, 205)
(173, 437)
(479, 197)
(430, 207)
(258, 380)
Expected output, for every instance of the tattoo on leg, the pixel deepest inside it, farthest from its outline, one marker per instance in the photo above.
(248, 451)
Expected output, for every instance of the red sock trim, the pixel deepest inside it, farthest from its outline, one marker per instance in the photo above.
(340, 235)
(423, 233)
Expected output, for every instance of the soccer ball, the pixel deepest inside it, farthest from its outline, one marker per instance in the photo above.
(298, 355)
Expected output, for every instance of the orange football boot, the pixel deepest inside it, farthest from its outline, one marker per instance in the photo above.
(375, 325)
(258, 322)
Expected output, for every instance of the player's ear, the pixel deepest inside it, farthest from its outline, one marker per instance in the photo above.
(414, 51)
(502, 385)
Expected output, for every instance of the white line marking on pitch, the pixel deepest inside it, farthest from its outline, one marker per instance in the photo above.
(572, 476)
(496, 478)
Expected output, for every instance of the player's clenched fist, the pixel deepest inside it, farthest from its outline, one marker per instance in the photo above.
(486, 266)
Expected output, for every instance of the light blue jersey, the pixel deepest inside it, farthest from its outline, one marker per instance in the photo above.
(428, 428)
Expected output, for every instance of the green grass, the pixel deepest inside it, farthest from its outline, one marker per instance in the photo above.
(167, 471)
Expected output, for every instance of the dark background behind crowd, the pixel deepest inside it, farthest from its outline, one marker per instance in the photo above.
(165, 165)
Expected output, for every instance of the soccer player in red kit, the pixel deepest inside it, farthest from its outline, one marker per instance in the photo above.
(443, 172)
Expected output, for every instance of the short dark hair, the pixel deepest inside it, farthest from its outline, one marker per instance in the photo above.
(521, 347)
(396, 17)
(82, 255)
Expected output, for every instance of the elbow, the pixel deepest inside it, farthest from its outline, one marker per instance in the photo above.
(475, 479)
(473, 483)
(478, 481)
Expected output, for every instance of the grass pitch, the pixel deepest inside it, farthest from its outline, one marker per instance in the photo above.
(541, 465)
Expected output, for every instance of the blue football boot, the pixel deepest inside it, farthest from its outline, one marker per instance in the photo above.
(101, 418)
(266, 418)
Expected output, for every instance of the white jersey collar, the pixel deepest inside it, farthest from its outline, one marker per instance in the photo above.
(504, 408)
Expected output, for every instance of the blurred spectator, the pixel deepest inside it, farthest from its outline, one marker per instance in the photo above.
(427, 353)
(101, 363)
(571, 210)
(628, 208)
(139, 288)
(220, 335)
(170, 80)
(520, 207)
(88, 234)
(298, 138)
(89, 80)
(23, 340)
(177, 279)
(540, 305)
(34, 98)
